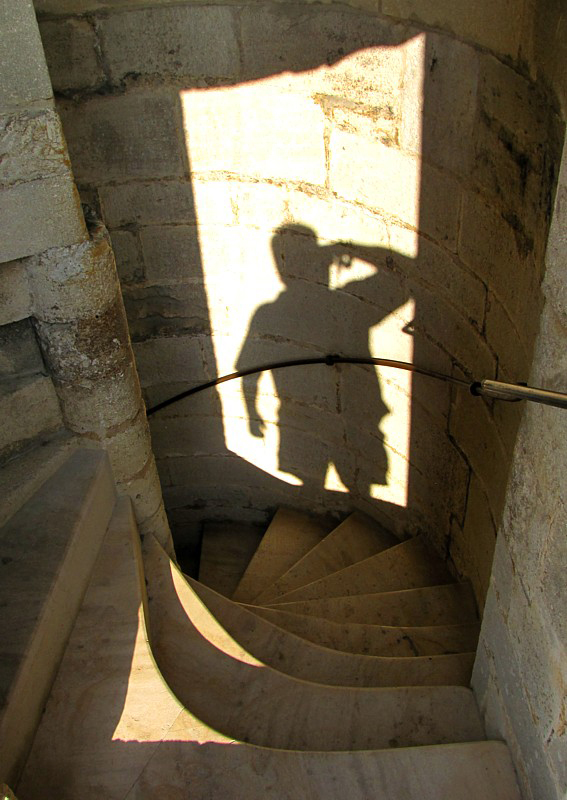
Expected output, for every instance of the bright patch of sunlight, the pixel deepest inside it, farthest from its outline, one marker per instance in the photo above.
(151, 712)
(333, 482)
(150, 707)
(336, 150)
(388, 340)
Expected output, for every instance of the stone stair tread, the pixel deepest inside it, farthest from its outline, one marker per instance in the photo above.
(289, 536)
(23, 476)
(48, 549)
(233, 692)
(449, 603)
(289, 653)
(471, 771)
(355, 539)
(377, 640)
(408, 565)
(133, 738)
(226, 550)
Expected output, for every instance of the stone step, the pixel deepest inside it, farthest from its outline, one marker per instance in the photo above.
(473, 771)
(133, 739)
(226, 550)
(355, 539)
(448, 604)
(30, 412)
(300, 658)
(289, 537)
(377, 640)
(47, 552)
(22, 476)
(238, 695)
(408, 565)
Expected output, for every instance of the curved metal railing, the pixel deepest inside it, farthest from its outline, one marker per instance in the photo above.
(498, 390)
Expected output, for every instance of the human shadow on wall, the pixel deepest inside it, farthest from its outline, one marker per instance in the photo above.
(309, 310)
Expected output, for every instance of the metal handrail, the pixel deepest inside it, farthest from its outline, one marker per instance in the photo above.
(488, 388)
(513, 392)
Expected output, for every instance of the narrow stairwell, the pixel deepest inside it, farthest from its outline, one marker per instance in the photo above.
(169, 689)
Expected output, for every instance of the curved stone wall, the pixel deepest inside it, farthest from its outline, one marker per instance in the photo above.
(284, 181)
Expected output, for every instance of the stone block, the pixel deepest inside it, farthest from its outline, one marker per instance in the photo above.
(440, 322)
(380, 123)
(437, 476)
(495, 24)
(25, 79)
(439, 105)
(87, 350)
(158, 525)
(186, 436)
(171, 254)
(29, 409)
(431, 395)
(74, 283)
(186, 43)
(297, 38)
(19, 351)
(98, 404)
(439, 206)
(170, 360)
(260, 205)
(71, 51)
(472, 548)
(334, 220)
(128, 255)
(173, 310)
(364, 85)
(39, 215)
(502, 335)
(15, 300)
(375, 175)
(472, 426)
(31, 147)
(499, 254)
(450, 74)
(514, 102)
(155, 202)
(447, 276)
(125, 136)
(274, 134)
(514, 177)
(130, 449)
(410, 135)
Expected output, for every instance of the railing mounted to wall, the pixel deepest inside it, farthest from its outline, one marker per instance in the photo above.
(497, 390)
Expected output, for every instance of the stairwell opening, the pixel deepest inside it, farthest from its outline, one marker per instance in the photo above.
(398, 175)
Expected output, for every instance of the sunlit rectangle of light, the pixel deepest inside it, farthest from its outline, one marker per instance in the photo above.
(282, 151)
(389, 340)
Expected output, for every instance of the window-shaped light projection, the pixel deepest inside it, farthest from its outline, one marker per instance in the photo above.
(307, 199)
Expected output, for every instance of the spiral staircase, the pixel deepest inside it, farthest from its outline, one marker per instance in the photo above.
(328, 663)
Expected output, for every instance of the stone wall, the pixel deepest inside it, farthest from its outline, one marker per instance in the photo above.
(38, 208)
(283, 181)
(520, 675)
(66, 362)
